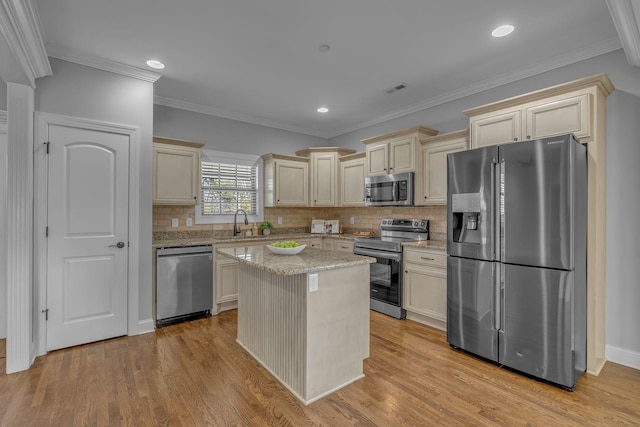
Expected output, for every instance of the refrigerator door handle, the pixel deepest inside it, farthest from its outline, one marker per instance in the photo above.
(501, 297)
(501, 210)
(497, 281)
(495, 211)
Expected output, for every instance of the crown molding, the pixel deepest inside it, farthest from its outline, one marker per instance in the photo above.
(232, 115)
(626, 17)
(101, 63)
(20, 27)
(559, 61)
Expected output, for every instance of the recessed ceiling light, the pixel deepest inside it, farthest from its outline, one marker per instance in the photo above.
(503, 30)
(324, 47)
(323, 110)
(154, 63)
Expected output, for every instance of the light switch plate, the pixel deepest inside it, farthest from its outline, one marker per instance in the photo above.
(353, 220)
(280, 220)
(189, 222)
(313, 282)
(174, 222)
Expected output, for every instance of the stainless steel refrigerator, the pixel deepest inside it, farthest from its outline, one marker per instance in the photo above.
(517, 256)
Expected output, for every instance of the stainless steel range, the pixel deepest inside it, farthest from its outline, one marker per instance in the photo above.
(386, 273)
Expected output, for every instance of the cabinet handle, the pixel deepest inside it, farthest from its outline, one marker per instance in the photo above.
(427, 259)
(515, 139)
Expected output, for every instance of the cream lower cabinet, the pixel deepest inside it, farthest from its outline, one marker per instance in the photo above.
(425, 286)
(434, 156)
(176, 172)
(312, 243)
(225, 280)
(339, 245)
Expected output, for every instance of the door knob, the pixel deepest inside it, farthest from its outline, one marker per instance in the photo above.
(118, 245)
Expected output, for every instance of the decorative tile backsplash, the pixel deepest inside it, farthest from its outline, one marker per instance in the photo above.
(297, 220)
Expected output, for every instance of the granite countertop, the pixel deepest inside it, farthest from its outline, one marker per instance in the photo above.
(433, 245)
(196, 241)
(308, 261)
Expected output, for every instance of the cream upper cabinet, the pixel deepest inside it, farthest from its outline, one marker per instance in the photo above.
(352, 173)
(558, 115)
(434, 158)
(176, 172)
(425, 286)
(324, 174)
(540, 118)
(397, 152)
(285, 180)
(499, 128)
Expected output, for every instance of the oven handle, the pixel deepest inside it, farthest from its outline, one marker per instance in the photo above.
(395, 256)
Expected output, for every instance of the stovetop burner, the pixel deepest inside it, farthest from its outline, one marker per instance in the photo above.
(393, 232)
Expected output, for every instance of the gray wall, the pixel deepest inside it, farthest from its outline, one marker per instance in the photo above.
(229, 135)
(623, 206)
(623, 178)
(79, 91)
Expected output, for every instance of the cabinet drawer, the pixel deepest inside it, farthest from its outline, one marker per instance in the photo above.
(343, 246)
(422, 257)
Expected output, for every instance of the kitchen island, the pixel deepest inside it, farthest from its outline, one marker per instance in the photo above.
(304, 317)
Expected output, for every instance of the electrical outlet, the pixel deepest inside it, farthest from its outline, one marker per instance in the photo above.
(313, 282)
(353, 220)
(189, 222)
(174, 222)
(279, 220)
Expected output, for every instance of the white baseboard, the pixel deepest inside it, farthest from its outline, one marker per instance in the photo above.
(622, 356)
(145, 326)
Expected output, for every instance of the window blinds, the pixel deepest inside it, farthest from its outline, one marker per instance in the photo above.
(228, 187)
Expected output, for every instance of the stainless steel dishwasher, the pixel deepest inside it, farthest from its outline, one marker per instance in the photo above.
(184, 283)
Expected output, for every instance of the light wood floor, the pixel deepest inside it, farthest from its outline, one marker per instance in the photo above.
(195, 374)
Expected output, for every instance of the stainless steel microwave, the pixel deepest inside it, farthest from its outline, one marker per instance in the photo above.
(389, 190)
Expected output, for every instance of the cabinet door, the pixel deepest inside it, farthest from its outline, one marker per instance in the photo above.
(291, 183)
(352, 182)
(559, 116)
(402, 156)
(497, 128)
(323, 179)
(425, 291)
(435, 170)
(377, 159)
(226, 280)
(176, 176)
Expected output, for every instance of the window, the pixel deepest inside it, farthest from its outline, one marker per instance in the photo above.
(229, 182)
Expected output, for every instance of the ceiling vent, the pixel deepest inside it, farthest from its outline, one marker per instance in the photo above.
(396, 88)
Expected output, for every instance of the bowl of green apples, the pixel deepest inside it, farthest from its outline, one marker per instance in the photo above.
(287, 247)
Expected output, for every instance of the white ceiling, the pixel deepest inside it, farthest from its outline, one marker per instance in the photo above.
(258, 61)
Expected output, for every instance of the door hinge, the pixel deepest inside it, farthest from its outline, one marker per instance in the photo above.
(47, 144)
(46, 314)
(46, 231)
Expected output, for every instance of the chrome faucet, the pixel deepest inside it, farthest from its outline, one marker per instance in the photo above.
(236, 230)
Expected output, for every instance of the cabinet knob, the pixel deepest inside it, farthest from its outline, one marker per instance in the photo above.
(528, 136)
(515, 139)
(195, 197)
(406, 271)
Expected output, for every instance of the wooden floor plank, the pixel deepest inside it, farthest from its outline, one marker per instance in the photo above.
(195, 374)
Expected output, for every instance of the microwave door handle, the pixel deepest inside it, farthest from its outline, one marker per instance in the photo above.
(396, 191)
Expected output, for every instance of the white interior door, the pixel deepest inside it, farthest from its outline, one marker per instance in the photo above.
(88, 190)
(3, 232)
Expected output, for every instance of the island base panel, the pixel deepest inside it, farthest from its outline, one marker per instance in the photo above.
(312, 342)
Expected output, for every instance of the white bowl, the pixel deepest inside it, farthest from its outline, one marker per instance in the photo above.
(286, 251)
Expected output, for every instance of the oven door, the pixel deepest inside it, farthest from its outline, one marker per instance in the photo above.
(385, 275)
